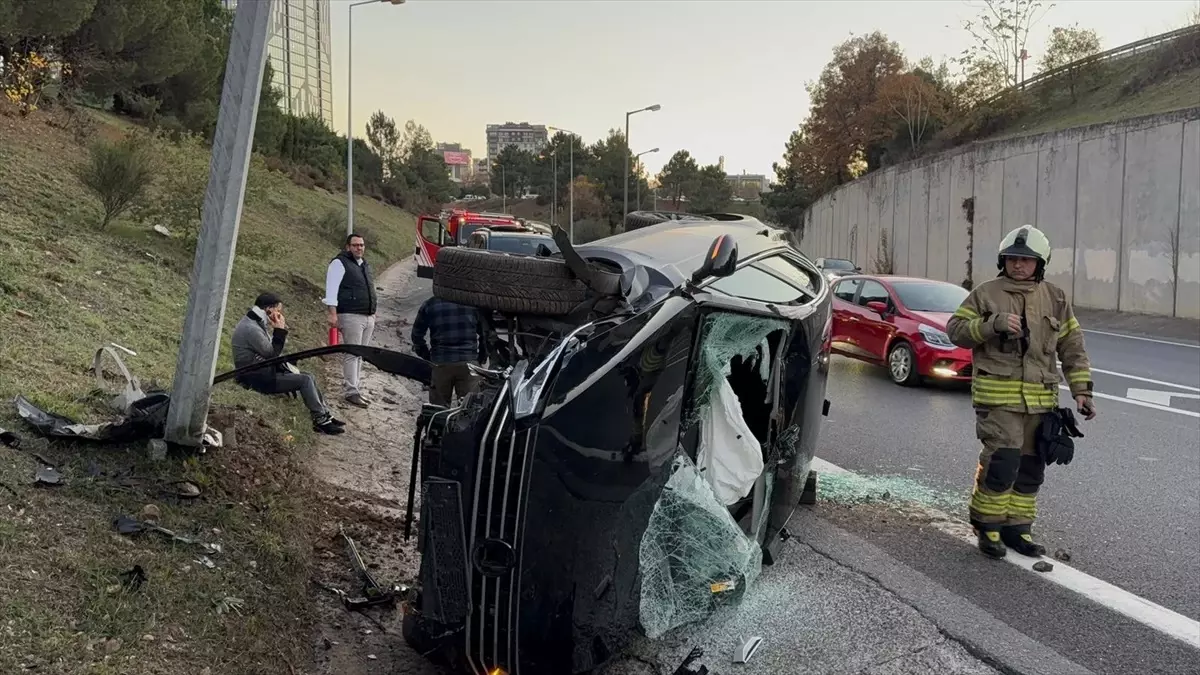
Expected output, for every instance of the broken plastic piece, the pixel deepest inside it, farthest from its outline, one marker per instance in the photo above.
(133, 388)
(747, 650)
(693, 556)
(690, 665)
(47, 475)
(9, 438)
(130, 525)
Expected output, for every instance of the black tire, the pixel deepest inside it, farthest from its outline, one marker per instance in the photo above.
(636, 220)
(902, 364)
(515, 284)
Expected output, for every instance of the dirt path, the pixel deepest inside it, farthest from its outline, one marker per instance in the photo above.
(367, 470)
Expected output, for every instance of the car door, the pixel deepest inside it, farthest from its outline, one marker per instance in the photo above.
(874, 328)
(845, 315)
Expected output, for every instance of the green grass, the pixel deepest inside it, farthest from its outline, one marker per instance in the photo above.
(1116, 93)
(67, 287)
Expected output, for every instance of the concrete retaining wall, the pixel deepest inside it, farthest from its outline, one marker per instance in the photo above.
(1120, 203)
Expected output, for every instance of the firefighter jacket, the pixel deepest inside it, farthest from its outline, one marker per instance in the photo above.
(1018, 371)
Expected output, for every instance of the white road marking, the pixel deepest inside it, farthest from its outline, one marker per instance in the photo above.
(1144, 339)
(1152, 615)
(1147, 380)
(1143, 404)
(1156, 396)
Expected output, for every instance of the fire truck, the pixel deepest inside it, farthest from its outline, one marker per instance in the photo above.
(452, 228)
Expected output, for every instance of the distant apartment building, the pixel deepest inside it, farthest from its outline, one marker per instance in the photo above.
(748, 185)
(299, 53)
(483, 170)
(458, 161)
(528, 137)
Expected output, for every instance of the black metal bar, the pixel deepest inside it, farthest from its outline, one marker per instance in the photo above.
(413, 477)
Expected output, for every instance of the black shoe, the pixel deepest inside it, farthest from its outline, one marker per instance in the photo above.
(336, 422)
(328, 427)
(990, 543)
(1019, 539)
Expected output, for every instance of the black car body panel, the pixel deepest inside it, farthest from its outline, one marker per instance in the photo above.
(538, 491)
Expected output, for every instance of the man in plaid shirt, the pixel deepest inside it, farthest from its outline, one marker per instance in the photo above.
(457, 340)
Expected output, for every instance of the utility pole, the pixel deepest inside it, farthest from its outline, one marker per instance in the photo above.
(219, 220)
(629, 155)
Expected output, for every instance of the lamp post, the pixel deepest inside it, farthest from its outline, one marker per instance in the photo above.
(349, 101)
(571, 183)
(625, 193)
(639, 176)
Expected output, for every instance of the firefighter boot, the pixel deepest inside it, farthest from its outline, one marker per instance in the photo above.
(1019, 539)
(990, 543)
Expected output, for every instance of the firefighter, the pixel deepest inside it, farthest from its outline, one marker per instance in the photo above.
(1017, 325)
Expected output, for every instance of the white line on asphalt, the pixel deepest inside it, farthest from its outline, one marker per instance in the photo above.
(1130, 401)
(1144, 339)
(1117, 599)
(1146, 379)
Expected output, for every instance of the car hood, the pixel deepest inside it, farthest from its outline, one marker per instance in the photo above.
(936, 319)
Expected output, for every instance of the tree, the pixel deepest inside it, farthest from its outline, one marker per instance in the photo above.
(511, 171)
(118, 174)
(981, 80)
(916, 103)
(791, 195)
(270, 125)
(844, 121)
(1064, 49)
(415, 138)
(678, 176)
(1000, 32)
(384, 139)
(712, 191)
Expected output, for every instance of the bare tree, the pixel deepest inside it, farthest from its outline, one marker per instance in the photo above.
(915, 101)
(1001, 32)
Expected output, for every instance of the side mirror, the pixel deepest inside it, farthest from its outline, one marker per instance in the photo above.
(877, 306)
(857, 269)
(720, 261)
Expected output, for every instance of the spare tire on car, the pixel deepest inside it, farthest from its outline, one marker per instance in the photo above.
(636, 220)
(514, 284)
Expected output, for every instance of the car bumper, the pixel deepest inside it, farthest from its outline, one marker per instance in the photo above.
(944, 364)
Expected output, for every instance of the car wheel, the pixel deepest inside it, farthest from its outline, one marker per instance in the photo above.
(902, 365)
(515, 284)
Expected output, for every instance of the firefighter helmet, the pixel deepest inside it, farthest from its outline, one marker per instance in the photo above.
(1026, 242)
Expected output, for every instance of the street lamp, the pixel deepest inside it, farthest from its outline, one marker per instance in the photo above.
(571, 184)
(625, 193)
(639, 177)
(349, 116)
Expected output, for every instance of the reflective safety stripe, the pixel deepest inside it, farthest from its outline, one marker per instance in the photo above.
(1079, 376)
(1022, 506)
(974, 328)
(990, 505)
(1069, 327)
(966, 313)
(996, 392)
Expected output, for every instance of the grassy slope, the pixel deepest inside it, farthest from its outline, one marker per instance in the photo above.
(1110, 100)
(65, 288)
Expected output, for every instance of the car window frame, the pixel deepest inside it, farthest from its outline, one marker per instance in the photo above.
(805, 296)
(891, 303)
(853, 296)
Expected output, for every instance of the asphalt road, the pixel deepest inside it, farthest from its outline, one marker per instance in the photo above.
(1126, 509)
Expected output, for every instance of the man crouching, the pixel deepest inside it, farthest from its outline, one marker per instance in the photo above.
(261, 335)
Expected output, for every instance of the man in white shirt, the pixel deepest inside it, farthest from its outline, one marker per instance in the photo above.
(350, 304)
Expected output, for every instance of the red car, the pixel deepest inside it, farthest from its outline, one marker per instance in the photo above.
(899, 322)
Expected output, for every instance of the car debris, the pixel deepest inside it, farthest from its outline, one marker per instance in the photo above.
(748, 649)
(9, 438)
(1043, 566)
(134, 578)
(129, 525)
(372, 593)
(691, 664)
(47, 476)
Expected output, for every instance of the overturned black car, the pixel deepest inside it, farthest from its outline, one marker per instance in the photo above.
(641, 436)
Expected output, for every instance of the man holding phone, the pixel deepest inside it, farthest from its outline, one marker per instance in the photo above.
(1019, 328)
(261, 335)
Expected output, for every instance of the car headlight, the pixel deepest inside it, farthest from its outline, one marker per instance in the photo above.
(936, 338)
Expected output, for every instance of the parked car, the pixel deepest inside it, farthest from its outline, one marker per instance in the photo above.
(634, 451)
(899, 322)
(512, 241)
(837, 267)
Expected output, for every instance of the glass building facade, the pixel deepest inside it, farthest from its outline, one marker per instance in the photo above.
(299, 53)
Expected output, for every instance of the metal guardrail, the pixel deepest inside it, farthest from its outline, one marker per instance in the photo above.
(1124, 51)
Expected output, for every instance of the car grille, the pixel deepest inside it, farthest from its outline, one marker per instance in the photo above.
(496, 517)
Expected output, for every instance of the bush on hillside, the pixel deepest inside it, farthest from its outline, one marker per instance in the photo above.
(118, 174)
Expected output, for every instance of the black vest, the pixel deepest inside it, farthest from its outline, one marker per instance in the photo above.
(356, 294)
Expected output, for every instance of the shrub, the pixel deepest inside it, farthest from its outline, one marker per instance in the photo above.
(118, 174)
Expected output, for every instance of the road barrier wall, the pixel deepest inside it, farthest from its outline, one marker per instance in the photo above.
(1120, 203)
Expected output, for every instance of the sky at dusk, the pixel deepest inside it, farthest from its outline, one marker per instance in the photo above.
(729, 74)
